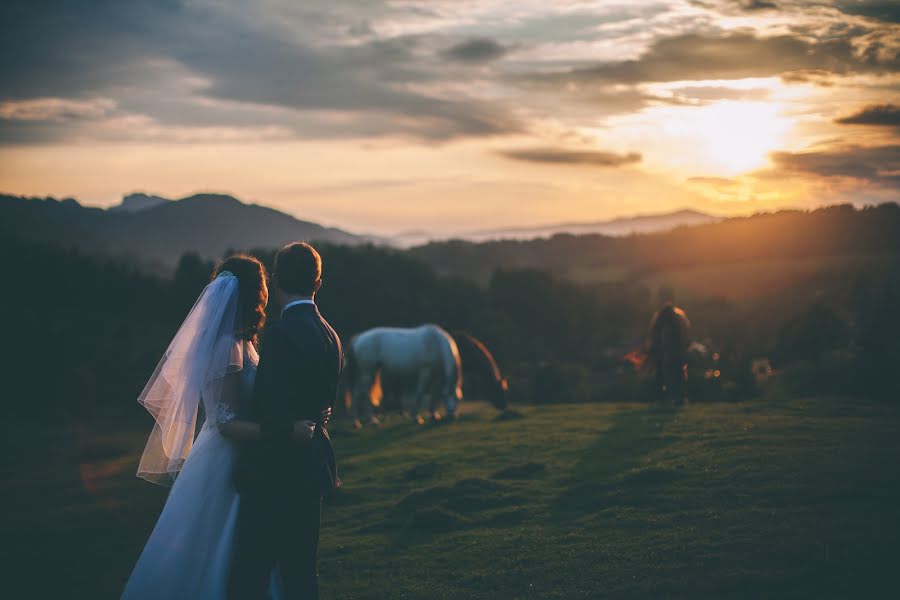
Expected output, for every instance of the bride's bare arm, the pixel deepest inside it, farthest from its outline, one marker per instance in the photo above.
(226, 416)
(240, 430)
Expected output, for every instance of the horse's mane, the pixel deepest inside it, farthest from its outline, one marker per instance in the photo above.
(487, 359)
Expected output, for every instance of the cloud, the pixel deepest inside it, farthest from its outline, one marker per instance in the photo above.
(757, 4)
(879, 165)
(729, 6)
(879, 9)
(132, 48)
(67, 49)
(701, 94)
(572, 157)
(476, 50)
(730, 55)
(55, 109)
(875, 114)
(322, 69)
(716, 182)
(820, 77)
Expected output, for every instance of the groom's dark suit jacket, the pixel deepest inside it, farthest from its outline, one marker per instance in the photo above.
(297, 378)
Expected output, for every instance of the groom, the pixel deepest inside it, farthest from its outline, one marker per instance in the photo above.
(281, 478)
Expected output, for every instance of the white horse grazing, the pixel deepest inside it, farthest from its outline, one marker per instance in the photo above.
(425, 355)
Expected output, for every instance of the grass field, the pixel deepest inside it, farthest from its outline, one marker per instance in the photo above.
(766, 499)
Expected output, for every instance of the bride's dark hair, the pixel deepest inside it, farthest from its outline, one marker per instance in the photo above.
(253, 294)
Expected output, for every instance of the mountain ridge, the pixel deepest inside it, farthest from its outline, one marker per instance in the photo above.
(640, 223)
(615, 227)
(162, 230)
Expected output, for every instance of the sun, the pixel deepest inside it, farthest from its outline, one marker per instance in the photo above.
(730, 137)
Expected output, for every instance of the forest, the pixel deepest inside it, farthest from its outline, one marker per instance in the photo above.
(87, 329)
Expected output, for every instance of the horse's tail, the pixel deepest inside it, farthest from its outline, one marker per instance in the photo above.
(452, 374)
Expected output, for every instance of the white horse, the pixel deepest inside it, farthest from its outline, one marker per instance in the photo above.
(426, 356)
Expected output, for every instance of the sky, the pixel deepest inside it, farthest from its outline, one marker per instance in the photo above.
(454, 115)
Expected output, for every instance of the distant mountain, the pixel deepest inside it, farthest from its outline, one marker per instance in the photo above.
(616, 227)
(152, 228)
(829, 234)
(138, 202)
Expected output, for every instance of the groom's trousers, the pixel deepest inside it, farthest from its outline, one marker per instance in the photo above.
(277, 529)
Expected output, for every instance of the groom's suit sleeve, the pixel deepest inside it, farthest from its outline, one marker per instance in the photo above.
(273, 387)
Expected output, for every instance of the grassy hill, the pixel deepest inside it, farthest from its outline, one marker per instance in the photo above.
(777, 498)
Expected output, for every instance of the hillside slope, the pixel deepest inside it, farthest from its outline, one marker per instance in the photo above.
(766, 499)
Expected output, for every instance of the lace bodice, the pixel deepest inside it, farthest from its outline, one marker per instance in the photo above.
(236, 388)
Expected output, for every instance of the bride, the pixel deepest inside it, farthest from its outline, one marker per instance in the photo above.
(209, 367)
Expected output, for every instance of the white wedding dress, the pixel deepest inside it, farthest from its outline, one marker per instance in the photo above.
(188, 555)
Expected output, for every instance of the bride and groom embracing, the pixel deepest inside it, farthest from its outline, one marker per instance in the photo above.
(242, 518)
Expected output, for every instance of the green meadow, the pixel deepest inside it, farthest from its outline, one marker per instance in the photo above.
(771, 498)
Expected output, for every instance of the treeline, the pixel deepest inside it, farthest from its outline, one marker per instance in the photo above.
(832, 231)
(85, 332)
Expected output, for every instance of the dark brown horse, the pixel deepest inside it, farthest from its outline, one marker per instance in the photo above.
(667, 352)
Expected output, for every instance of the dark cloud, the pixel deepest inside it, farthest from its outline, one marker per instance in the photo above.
(476, 50)
(756, 4)
(876, 114)
(572, 157)
(733, 55)
(729, 6)
(75, 48)
(875, 164)
(818, 77)
(882, 11)
(121, 47)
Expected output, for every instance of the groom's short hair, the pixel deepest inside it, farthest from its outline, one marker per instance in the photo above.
(298, 267)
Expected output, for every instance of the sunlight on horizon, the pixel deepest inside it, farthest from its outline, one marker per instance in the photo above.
(723, 138)
(732, 137)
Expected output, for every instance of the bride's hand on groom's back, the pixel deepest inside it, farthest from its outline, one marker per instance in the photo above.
(304, 430)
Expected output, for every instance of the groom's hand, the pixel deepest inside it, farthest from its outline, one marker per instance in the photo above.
(304, 430)
(326, 416)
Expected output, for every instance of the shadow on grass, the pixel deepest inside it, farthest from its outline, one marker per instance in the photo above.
(473, 503)
(604, 468)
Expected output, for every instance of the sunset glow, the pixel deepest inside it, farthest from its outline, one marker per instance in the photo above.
(449, 116)
(731, 137)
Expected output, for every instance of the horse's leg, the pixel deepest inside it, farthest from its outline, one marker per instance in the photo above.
(421, 393)
(355, 399)
(435, 394)
(363, 399)
(451, 394)
(408, 404)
